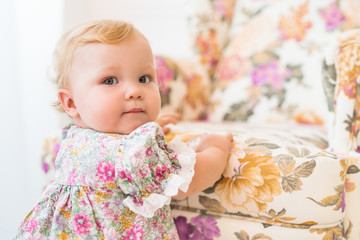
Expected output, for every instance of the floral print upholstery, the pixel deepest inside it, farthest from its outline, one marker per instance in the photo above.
(276, 177)
(287, 72)
(270, 70)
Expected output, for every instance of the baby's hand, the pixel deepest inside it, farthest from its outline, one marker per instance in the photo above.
(166, 119)
(222, 142)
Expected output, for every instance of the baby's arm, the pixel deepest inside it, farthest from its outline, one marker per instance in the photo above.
(211, 159)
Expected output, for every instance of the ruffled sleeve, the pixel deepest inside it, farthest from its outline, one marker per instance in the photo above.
(151, 171)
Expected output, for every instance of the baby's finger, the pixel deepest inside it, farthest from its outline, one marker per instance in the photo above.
(166, 130)
(167, 119)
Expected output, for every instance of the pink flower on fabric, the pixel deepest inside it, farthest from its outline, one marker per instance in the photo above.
(111, 234)
(71, 178)
(149, 152)
(144, 171)
(135, 232)
(332, 16)
(160, 172)
(271, 74)
(81, 223)
(35, 236)
(164, 74)
(184, 229)
(207, 226)
(125, 175)
(232, 68)
(32, 225)
(342, 204)
(106, 171)
(45, 167)
(56, 149)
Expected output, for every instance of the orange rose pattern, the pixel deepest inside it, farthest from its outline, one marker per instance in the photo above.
(293, 26)
(255, 182)
(348, 68)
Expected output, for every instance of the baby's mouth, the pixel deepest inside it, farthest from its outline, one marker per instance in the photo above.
(135, 110)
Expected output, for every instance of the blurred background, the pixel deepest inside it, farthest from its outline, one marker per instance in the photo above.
(29, 32)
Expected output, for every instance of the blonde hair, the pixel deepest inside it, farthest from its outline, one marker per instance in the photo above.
(101, 31)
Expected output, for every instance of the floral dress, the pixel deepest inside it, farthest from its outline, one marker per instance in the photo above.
(112, 186)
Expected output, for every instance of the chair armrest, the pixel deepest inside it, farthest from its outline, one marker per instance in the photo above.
(352, 197)
(342, 71)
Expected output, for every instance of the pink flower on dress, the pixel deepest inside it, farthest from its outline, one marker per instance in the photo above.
(71, 178)
(35, 236)
(82, 223)
(144, 171)
(111, 234)
(135, 232)
(149, 152)
(160, 172)
(106, 171)
(32, 225)
(271, 74)
(332, 16)
(125, 175)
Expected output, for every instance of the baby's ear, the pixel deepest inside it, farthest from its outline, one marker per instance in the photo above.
(67, 102)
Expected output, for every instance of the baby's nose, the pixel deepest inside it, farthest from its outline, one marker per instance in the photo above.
(133, 92)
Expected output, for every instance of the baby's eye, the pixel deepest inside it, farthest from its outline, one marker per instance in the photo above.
(144, 79)
(110, 81)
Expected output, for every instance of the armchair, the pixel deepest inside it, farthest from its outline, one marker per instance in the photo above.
(294, 167)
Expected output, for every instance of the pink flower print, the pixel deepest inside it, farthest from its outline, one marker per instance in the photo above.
(45, 166)
(116, 204)
(35, 236)
(83, 202)
(125, 175)
(106, 171)
(232, 68)
(37, 208)
(32, 225)
(207, 226)
(184, 229)
(271, 74)
(135, 232)
(55, 149)
(111, 234)
(225, 8)
(81, 223)
(164, 74)
(342, 204)
(144, 171)
(332, 16)
(71, 177)
(160, 172)
(149, 152)
(145, 130)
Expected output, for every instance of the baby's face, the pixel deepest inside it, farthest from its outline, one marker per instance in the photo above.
(114, 86)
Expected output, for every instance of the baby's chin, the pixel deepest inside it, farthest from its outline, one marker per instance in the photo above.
(126, 129)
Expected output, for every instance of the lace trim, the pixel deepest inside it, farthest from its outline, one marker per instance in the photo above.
(182, 180)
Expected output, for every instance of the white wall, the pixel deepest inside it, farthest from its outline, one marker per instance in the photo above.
(32, 29)
(163, 22)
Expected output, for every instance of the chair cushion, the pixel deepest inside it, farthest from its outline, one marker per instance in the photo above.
(275, 175)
